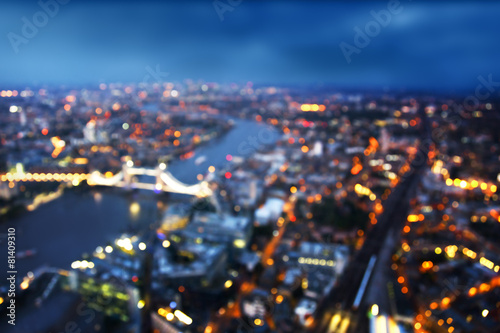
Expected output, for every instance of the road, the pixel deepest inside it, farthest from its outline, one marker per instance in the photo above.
(336, 312)
(341, 299)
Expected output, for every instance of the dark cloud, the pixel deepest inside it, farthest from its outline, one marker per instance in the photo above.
(428, 45)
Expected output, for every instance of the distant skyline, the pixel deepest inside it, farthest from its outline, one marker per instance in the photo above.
(426, 45)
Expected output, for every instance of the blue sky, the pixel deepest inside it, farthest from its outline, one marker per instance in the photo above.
(428, 45)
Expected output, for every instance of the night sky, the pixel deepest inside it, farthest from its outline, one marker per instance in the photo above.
(428, 45)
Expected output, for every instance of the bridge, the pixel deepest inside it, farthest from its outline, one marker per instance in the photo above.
(164, 180)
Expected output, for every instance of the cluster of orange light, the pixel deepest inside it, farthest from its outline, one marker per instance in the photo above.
(485, 287)
(42, 177)
(426, 265)
(415, 217)
(372, 147)
(312, 198)
(469, 253)
(312, 107)
(470, 185)
(356, 166)
(187, 155)
(9, 93)
(495, 215)
(58, 144)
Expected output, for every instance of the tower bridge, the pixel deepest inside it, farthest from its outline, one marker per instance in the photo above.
(164, 180)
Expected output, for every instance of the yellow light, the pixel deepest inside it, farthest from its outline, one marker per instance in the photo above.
(169, 316)
(142, 246)
(25, 285)
(413, 218)
(380, 323)
(165, 243)
(438, 250)
(1, 300)
(485, 313)
(493, 188)
(293, 189)
(449, 182)
(239, 243)
(228, 284)
(484, 186)
(211, 169)
(141, 304)
(375, 310)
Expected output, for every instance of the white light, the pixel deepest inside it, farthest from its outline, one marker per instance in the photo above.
(162, 166)
(174, 93)
(142, 246)
(485, 313)
(108, 249)
(141, 304)
(125, 126)
(204, 87)
(99, 249)
(130, 163)
(13, 109)
(183, 317)
(166, 243)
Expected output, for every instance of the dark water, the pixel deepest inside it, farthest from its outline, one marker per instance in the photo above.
(62, 230)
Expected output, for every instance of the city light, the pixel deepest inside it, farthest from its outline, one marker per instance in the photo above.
(183, 317)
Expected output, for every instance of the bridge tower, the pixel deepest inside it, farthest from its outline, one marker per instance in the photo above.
(158, 181)
(127, 177)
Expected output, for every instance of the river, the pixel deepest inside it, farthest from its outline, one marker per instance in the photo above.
(79, 221)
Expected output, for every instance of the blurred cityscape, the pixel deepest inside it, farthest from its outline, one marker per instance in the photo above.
(332, 167)
(242, 208)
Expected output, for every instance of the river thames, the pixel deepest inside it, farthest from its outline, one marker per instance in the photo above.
(79, 221)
